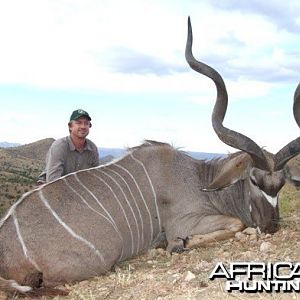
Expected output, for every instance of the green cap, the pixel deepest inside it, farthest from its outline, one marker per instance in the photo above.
(79, 113)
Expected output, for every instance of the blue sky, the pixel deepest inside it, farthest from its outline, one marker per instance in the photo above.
(123, 62)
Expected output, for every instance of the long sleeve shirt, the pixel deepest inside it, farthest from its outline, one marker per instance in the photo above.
(63, 158)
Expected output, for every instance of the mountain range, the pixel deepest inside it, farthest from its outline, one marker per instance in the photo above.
(104, 152)
(8, 145)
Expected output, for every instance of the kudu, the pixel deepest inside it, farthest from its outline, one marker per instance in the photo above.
(82, 224)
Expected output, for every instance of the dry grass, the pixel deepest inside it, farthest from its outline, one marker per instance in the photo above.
(158, 275)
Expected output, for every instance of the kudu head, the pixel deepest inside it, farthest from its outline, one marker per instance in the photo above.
(263, 171)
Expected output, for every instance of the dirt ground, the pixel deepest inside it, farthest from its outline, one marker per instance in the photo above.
(158, 275)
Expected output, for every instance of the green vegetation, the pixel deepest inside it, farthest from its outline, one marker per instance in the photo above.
(15, 182)
(19, 169)
(289, 206)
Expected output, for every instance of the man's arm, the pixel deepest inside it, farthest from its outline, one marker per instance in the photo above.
(55, 162)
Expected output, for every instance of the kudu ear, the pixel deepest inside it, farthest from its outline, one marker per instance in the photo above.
(231, 172)
(292, 175)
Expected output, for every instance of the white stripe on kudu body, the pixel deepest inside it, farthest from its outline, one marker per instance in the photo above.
(24, 248)
(70, 230)
(118, 201)
(86, 203)
(127, 201)
(144, 201)
(13, 207)
(100, 204)
(140, 234)
(106, 211)
(152, 189)
(94, 210)
(130, 229)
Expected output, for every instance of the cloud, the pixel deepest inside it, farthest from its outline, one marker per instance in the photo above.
(250, 40)
(260, 72)
(57, 44)
(281, 13)
(130, 61)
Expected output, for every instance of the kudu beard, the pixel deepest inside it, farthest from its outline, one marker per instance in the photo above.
(259, 277)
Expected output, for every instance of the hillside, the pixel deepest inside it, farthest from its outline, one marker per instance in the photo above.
(36, 150)
(19, 168)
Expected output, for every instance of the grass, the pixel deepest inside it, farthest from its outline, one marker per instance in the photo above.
(289, 207)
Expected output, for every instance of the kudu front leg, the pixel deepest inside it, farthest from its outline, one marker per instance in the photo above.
(218, 228)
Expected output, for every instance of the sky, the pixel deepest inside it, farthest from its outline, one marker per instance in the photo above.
(123, 62)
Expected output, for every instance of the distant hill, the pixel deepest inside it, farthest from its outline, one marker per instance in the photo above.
(7, 144)
(36, 150)
(19, 168)
(112, 152)
(117, 152)
(205, 155)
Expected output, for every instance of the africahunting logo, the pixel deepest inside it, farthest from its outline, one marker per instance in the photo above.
(258, 277)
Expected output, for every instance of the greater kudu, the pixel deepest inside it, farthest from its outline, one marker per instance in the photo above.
(82, 224)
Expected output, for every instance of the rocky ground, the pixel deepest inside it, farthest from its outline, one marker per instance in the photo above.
(159, 275)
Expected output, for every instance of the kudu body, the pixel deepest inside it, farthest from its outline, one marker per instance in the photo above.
(82, 224)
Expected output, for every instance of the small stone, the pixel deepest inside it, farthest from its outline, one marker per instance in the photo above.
(239, 236)
(150, 262)
(252, 243)
(265, 247)
(248, 255)
(250, 231)
(161, 251)
(203, 265)
(189, 276)
(226, 254)
(287, 258)
(253, 238)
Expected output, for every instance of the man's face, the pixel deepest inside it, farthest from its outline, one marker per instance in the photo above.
(80, 127)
